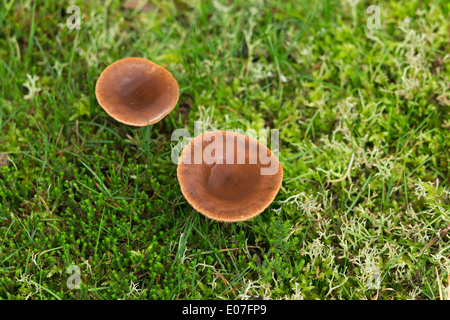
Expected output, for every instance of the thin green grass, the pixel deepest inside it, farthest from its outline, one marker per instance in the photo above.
(364, 123)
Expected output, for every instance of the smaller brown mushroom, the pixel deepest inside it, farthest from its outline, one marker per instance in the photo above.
(228, 176)
(136, 91)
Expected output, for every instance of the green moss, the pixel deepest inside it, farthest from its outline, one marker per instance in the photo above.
(364, 139)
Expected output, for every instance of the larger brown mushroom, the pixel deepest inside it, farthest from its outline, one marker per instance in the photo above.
(136, 91)
(233, 183)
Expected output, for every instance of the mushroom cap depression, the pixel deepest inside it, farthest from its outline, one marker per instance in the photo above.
(233, 183)
(136, 91)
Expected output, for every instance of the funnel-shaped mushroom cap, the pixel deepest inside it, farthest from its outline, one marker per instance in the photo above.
(228, 176)
(136, 91)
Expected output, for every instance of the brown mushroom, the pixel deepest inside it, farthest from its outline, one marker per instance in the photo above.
(228, 176)
(136, 91)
